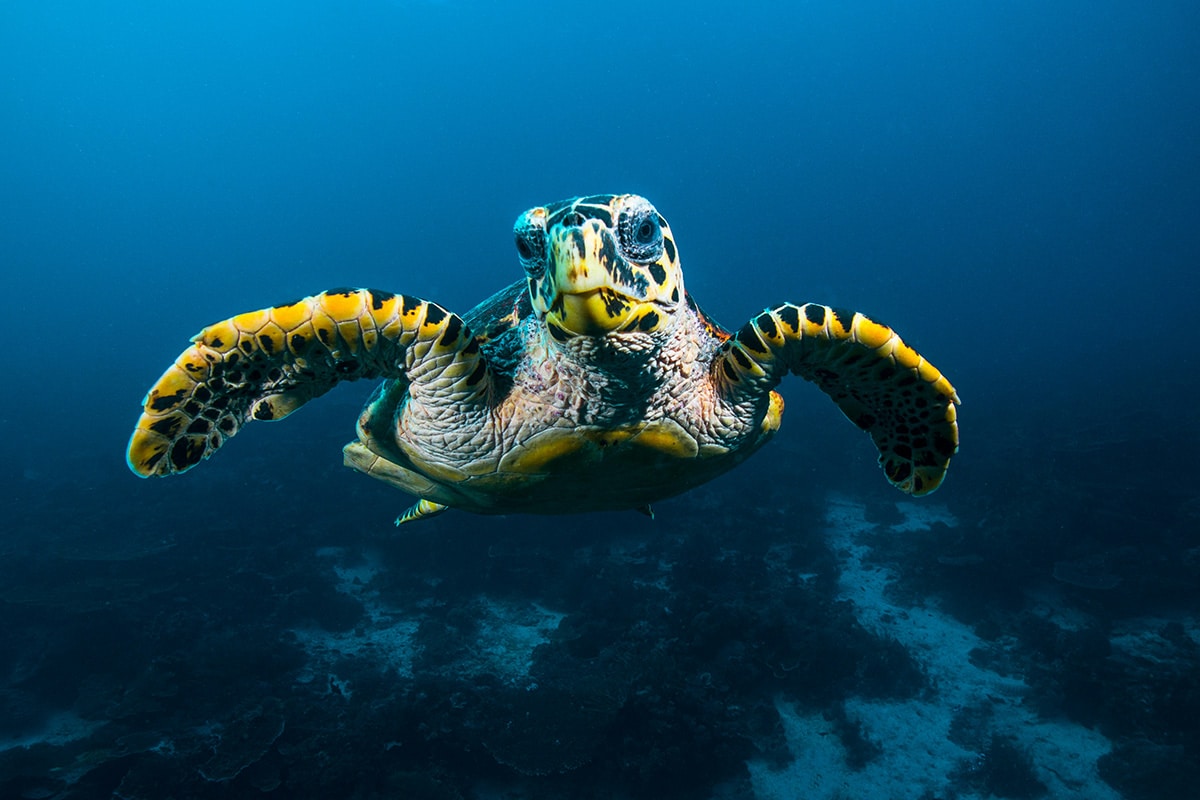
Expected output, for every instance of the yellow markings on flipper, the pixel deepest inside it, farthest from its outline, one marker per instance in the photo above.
(291, 316)
(343, 305)
(882, 385)
(171, 390)
(271, 338)
(907, 357)
(251, 321)
(265, 364)
(221, 336)
(871, 333)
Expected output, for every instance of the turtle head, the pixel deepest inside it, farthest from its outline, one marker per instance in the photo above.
(598, 265)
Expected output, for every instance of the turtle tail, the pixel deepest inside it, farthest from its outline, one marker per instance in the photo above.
(266, 364)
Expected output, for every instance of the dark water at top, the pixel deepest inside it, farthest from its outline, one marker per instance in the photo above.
(1012, 186)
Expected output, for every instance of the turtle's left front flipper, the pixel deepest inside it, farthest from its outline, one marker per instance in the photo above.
(883, 385)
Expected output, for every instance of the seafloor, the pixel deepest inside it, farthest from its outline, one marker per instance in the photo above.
(258, 630)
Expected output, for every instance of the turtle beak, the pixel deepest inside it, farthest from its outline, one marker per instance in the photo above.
(595, 290)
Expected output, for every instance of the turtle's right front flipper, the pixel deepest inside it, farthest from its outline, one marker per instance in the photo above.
(266, 364)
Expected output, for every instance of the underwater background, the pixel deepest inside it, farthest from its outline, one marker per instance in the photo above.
(1013, 186)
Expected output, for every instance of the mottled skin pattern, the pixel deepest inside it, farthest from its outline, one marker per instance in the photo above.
(593, 383)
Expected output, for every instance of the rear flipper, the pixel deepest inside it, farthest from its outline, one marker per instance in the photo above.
(266, 364)
(883, 385)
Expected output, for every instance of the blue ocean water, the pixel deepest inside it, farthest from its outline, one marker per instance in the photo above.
(1012, 186)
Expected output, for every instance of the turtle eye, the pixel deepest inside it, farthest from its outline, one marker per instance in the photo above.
(524, 249)
(646, 232)
(641, 234)
(531, 248)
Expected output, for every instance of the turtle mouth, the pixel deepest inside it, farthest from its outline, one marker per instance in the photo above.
(596, 312)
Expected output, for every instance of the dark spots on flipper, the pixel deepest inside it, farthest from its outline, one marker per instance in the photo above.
(789, 315)
(866, 421)
(903, 451)
(918, 486)
(193, 368)
(730, 372)
(212, 414)
(477, 375)
(266, 343)
(186, 453)
(346, 367)
(434, 313)
(165, 401)
(202, 393)
(235, 375)
(648, 321)
(199, 426)
(557, 332)
(299, 342)
(275, 375)
(944, 446)
(824, 375)
(750, 339)
(450, 335)
(898, 471)
(669, 246)
(378, 298)
(325, 335)
(217, 343)
(766, 323)
(263, 411)
(741, 358)
(844, 318)
(815, 313)
(227, 425)
(150, 463)
(342, 291)
(658, 273)
(254, 375)
(408, 305)
(192, 408)
(927, 458)
(247, 347)
(472, 347)
(168, 426)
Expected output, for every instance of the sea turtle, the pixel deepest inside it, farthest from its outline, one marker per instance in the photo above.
(594, 382)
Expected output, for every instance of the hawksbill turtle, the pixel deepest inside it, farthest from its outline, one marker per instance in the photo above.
(593, 382)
